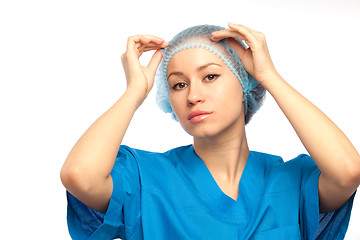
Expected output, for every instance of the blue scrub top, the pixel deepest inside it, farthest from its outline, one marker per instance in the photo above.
(173, 195)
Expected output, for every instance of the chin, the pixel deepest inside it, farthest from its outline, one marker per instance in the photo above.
(213, 126)
(224, 128)
(202, 132)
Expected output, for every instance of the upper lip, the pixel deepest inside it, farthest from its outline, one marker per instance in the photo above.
(196, 113)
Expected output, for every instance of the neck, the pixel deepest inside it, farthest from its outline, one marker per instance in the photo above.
(224, 156)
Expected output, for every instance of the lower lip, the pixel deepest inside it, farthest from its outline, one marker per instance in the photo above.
(199, 118)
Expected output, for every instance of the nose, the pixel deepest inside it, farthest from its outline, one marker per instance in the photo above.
(195, 95)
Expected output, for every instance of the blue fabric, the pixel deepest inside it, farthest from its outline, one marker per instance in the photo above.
(173, 195)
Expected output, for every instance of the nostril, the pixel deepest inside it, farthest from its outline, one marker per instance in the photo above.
(195, 93)
(190, 102)
(195, 102)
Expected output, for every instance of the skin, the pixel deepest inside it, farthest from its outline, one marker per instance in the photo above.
(86, 171)
(196, 85)
(331, 150)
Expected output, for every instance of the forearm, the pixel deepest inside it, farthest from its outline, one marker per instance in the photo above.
(332, 151)
(92, 157)
(328, 146)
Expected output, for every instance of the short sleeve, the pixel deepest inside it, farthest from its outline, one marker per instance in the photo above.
(331, 225)
(122, 218)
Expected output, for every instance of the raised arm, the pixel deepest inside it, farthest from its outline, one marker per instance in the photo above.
(331, 150)
(86, 171)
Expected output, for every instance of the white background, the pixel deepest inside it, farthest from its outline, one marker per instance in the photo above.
(60, 70)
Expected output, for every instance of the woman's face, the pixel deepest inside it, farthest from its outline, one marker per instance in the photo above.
(205, 95)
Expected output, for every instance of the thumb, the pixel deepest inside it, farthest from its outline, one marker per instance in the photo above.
(237, 47)
(154, 63)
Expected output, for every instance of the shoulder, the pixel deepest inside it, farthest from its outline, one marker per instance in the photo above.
(291, 172)
(303, 164)
(180, 148)
(267, 159)
(126, 150)
(276, 163)
(140, 156)
(146, 168)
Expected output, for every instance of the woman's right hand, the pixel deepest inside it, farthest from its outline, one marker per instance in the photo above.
(86, 171)
(141, 78)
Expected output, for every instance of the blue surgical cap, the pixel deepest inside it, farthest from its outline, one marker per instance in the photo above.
(200, 36)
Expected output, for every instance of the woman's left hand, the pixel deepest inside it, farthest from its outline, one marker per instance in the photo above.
(331, 150)
(256, 59)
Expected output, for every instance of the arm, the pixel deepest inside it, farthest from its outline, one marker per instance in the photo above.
(331, 150)
(86, 171)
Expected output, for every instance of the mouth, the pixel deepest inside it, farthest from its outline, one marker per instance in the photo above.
(198, 116)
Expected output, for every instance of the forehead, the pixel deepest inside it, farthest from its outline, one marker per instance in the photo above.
(193, 58)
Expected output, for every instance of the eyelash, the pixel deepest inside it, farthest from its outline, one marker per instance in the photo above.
(214, 75)
(175, 87)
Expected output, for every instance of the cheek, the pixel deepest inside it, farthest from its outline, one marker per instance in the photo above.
(232, 98)
(175, 102)
(236, 89)
(236, 94)
(231, 91)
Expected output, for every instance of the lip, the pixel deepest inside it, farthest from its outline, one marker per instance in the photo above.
(198, 115)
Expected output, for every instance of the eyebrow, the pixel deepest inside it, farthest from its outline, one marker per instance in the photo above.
(198, 69)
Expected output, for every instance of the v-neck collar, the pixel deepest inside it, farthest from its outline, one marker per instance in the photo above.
(212, 194)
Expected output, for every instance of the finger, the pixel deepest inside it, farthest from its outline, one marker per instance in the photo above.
(140, 43)
(151, 38)
(138, 40)
(240, 28)
(132, 47)
(150, 47)
(154, 63)
(247, 32)
(144, 43)
(226, 33)
(144, 40)
(237, 47)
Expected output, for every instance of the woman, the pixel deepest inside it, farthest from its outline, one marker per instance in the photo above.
(216, 187)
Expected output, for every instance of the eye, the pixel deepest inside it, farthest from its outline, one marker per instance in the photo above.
(212, 77)
(179, 86)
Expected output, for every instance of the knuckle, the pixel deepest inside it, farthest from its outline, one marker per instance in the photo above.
(123, 57)
(130, 39)
(133, 38)
(261, 35)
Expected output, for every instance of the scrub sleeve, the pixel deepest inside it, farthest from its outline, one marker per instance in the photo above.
(122, 218)
(323, 226)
